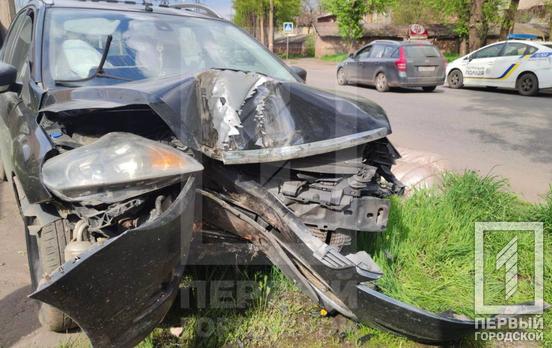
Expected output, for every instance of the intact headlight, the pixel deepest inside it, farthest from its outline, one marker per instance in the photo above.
(116, 167)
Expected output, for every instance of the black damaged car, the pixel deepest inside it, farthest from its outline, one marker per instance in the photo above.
(130, 133)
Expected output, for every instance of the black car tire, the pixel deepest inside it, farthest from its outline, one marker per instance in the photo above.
(455, 79)
(528, 84)
(341, 80)
(381, 83)
(45, 253)
(429, 88)
(53, 239)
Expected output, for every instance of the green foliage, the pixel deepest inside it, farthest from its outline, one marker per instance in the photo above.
(415, 11)
(349, 14)
(247, 10)
(286, 10)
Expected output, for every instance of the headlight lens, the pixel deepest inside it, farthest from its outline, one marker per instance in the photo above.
(116, 167)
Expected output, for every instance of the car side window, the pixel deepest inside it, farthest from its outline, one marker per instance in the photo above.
(19, 44)
(378, 51)
(389, 51)
(515, 49)
(9, 40)
(489, 52)
(365, 53)
(531, 50)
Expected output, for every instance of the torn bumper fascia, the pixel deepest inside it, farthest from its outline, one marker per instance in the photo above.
(342, 283)
(120, 289)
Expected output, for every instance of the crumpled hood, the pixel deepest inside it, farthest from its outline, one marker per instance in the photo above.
(239, 117)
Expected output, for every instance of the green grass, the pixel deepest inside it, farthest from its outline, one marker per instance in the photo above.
(427, 255)
(451, 56)
(337, 58)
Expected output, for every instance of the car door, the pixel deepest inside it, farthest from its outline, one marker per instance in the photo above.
(24, 143)
(355, 69)
(505, 67)
(479, 69)
(373, 62)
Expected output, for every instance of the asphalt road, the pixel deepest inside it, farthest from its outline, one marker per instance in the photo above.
(494, 132)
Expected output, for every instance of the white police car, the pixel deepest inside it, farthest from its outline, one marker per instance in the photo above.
(523, 65)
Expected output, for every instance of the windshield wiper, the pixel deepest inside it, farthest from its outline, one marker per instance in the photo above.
(99, 70)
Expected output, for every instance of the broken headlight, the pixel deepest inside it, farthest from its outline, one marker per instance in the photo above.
(116, 167)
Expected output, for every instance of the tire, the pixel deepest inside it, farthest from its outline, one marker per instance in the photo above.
(46, 254)
(341, 80)
(455, 79)
(382, 85)
(53, 239)
(429, 88)
(528, 84)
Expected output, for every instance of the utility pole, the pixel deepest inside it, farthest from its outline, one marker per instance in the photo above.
(7, 13)
(271, 26)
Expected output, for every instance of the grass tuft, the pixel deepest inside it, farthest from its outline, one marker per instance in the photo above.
(337, 58)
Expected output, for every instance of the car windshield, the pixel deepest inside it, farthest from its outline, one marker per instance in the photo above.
(422, 51)
(549, 45)
(147, 45)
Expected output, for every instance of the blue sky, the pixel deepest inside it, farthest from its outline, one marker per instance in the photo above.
(224, 7)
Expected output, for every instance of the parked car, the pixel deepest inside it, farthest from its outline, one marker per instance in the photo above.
(111, 113)
(522, 65)
(386, 64)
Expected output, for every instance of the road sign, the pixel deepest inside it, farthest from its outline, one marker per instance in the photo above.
(288, 27)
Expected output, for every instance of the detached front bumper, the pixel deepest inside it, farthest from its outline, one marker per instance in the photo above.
(338, 282)
(119, 290)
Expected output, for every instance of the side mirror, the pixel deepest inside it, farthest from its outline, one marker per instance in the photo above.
(8, 75)
(351, 55)
(302, 73)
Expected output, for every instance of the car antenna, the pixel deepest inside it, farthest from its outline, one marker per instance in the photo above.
(148, 6)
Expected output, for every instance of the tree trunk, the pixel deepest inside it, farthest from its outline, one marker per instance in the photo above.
(262, 26)
(271, 26)
(509, 19)
(463, 46)
(258, 27)
(476, 25)
(550, 27)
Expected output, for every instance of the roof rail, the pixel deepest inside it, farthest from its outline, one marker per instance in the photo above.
(199, 8)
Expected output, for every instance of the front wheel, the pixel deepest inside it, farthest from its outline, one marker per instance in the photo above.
(456, 79)
(341, 80)
(528, 84)
(381, 83)
(53, 239)
(429, 88)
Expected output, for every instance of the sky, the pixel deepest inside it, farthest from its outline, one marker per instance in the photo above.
(223, 7)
